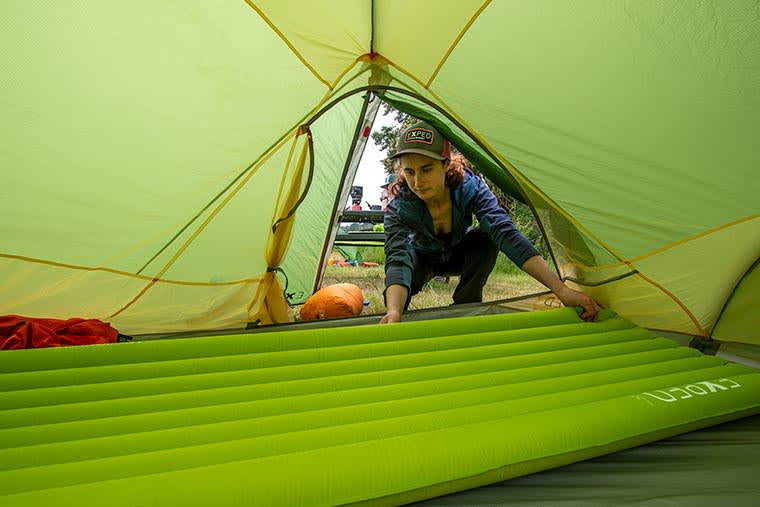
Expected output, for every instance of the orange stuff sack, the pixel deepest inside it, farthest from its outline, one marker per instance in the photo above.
(339, 300)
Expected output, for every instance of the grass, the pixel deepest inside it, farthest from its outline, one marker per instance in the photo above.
(505, 281)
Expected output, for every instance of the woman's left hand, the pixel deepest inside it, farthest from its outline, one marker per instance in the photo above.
(591, 307)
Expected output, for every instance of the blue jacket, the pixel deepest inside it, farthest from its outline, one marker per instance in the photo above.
(408, 225)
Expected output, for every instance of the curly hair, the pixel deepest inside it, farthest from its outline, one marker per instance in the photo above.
(454, 174)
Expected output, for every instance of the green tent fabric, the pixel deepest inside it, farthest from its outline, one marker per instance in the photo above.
(163, 160)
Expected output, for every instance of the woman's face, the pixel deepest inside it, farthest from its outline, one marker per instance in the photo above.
(425, 176)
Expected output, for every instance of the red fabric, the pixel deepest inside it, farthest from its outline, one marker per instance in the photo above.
(17, 332)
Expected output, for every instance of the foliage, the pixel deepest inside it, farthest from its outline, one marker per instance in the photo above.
(372, 254)
(525, 221)
(505, 266)
(387, 136)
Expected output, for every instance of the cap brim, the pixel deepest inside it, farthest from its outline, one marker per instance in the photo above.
(426, 153)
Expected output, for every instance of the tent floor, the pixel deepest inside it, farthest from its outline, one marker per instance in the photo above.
(719, 465)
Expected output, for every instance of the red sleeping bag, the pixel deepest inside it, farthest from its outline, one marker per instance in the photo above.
(17, 332)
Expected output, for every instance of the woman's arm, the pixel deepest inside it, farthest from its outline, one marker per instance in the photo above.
(395, 299)
(537, 267)
(495, 221)
(498, 224)
(398, 264)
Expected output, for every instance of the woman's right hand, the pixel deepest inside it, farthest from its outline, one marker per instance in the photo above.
(395, 296)
(391, 316)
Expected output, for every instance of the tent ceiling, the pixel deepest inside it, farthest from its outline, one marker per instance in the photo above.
(155, 140)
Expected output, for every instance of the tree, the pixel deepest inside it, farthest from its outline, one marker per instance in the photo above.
(387, 136)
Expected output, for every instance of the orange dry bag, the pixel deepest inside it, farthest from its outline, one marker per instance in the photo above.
(339, 300)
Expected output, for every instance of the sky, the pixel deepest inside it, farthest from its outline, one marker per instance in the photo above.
(370, 173)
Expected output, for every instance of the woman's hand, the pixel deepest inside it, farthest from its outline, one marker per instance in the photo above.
(572, 297)
(395, 296)
(536, 267)
(391, 316)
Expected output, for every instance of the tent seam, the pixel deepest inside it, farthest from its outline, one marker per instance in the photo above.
(695, 237)
(687, 240)
(315, 112)
(730, 297)
(683, 306)
(341, 76)
(124, 273)
(456, 42)
(287, 43)
(205, 223)
(669, 246)
(372, 26)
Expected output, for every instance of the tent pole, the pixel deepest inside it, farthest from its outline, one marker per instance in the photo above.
(370, 106)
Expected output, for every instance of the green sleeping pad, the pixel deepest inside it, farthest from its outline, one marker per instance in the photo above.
(368, 414)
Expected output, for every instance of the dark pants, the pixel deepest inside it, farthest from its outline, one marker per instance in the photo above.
(473, 260)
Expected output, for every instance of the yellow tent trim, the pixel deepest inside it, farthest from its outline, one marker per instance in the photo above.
(456, 42)
(201, 227)
(287, 43)
(274, 308)
(696, 236)
(127, 274)
(672, 296)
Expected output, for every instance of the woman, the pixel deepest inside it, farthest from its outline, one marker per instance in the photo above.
(429, 232)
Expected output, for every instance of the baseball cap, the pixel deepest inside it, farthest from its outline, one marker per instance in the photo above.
(423, 139)
(389, 179)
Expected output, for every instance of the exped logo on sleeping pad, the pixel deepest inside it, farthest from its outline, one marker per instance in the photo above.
(677, 393)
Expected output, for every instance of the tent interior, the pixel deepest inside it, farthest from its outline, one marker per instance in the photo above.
(179, 169)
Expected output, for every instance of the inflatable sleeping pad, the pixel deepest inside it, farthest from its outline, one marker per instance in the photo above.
(370, 414)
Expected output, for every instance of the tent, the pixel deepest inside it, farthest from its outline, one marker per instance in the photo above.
(164, 162)
(180, 166)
